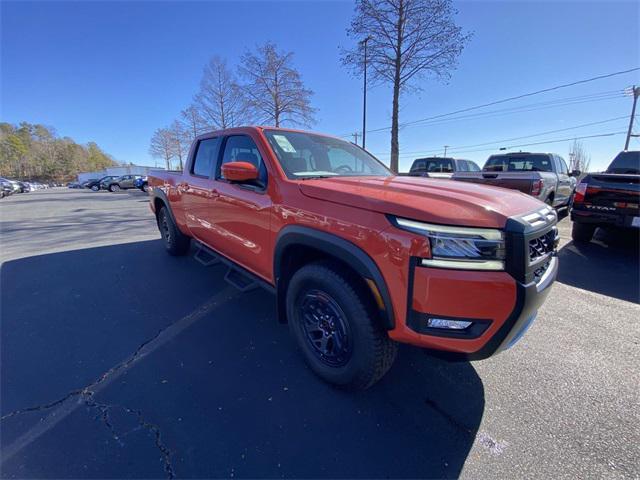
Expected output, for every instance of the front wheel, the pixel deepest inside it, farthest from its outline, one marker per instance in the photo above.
(334, 325)
(95, 188)
(114, 188)
(582, 232)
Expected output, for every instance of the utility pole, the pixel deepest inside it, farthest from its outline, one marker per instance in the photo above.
(355, 136)
(445, 150)
(636, 92)
(364, 96)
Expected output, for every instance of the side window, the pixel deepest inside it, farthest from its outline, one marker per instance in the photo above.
(563, 165)
(205, 157)
(462, 165)
(241, 148)
(473, 166)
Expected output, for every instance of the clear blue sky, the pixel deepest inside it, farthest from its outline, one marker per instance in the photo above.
(113, 72)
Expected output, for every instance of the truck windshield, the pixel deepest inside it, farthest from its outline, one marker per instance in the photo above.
(435, 165)
(305, 155)
(518, 163)
(626, 163)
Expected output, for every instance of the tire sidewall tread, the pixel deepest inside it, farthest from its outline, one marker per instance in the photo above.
(373, 351)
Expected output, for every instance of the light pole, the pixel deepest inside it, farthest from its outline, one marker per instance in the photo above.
(364, 95)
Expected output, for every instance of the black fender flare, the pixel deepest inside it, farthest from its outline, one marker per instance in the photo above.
(336, 247)
(159, 194)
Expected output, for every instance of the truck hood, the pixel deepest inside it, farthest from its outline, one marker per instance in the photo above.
(425, 199)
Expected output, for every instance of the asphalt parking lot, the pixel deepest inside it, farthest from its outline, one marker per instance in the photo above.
(120, 361)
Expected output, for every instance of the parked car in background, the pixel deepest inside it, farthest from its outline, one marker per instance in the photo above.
(123, 182)
(74, 185)
(17, 188)
(87, 182)
(6, 188)
(359, 258)
(142, 183)
(441, 167)
(544, 176)
(609, 199)
(95, 185)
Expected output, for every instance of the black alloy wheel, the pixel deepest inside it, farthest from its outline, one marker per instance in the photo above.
(325, 327)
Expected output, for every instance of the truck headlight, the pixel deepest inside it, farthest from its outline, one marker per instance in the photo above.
(464, 248)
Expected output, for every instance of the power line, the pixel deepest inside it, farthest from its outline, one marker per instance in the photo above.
(532, 107)
(515, 110)
(454, 148)
(509, 99)
(550, 141)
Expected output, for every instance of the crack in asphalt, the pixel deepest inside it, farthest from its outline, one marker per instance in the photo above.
(86, 394)
(104, 409)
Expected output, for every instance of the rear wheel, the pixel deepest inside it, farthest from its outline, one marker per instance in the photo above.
(114, 188)
(582, 232)
(334, 326)
(175, 242)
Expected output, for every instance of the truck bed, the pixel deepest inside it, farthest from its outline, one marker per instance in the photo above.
(521, 181)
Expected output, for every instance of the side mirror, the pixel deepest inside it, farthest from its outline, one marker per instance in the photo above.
(575, 173)
(239, 171)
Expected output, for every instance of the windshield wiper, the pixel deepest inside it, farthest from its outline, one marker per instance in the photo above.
(314, 177)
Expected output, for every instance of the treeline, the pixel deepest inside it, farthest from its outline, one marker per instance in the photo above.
(35, 152)
(264, 89)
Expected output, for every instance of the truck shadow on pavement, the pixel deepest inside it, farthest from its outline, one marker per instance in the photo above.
(227, 396)
(608, 265)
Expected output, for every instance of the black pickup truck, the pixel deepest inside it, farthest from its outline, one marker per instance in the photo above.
(609, 199)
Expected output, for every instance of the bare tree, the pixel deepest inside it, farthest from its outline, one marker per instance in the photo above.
(406, 40)
(192, 123)
(578, 157)
(163, 145)
(273, 89)
(219, 101)
(181, 142)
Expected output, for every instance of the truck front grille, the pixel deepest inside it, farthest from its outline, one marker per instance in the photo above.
(542, 246)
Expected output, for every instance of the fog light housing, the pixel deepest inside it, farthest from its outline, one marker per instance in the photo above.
(448, 324)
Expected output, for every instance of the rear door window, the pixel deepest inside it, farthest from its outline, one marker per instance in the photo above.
(205, 157)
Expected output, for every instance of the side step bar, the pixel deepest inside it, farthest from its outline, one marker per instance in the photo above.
(236, 276)
(206, 256)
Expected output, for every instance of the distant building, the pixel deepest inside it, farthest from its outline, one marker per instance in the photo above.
(116, 171)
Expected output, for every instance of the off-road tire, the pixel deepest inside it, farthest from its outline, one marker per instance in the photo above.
(175, 242)
(582, 232)
(373, 352)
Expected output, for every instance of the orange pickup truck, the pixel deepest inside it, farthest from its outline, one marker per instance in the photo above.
(359, 258)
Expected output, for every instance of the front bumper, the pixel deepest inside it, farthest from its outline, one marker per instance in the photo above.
(500, 308)
(501, 305)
